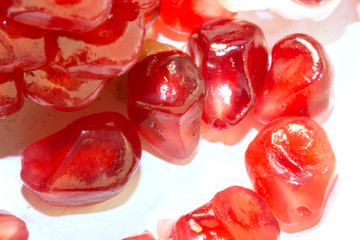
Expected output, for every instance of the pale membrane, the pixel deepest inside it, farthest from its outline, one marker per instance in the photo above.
(286, 8)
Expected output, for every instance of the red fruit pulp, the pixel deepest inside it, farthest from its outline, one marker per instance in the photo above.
(292, 166)
(59, 91)
(234, 213)
(11, 98)
(4, 4)
(67, 15)
(201, 224)
(232, 56)
(165, 101)
(185, 15)
(21, 47)
(12, 227)
(105, 52)
(298, 82)
(245, 214)
(89, 161)
(151, 9)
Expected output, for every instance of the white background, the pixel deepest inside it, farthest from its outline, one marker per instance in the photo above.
(161, 189)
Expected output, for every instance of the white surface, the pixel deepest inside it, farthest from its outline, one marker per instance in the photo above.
(286, 8)
(161, 189)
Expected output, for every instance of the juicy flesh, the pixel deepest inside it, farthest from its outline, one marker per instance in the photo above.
(87, 162)
(165, 102)
(292, 166)
(234, 213)
(299, 80)
(232, 56)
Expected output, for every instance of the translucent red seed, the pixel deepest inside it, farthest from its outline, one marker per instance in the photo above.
(292, 166)
(184, 16)
(89, 161)
(151, 10)
(12, 227)
(234, 213)
(104, 53)
(165, 101)
(299, 82)
(232, 56)
(21, 47)
(59, 91)
(11, 98)
(67, 15)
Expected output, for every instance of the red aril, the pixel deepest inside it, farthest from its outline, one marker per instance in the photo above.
(59, 91)
(4, 5)
(245, 214)
(144, 236)
(292, 166)
(67, 15)
(151, 9)
(89, 161)
(232, 56)
(118, 85)
(184, 15)
(11, 98)
(12, 227)
(165, 101)
(234, 213)
(298, 82)
(201, 224)
(107, 51)
(21, 47)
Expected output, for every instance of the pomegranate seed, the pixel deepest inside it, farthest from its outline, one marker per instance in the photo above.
(11, 98)
(184, 16)
(151, 9)
(107, 51)
(299, 80)
(234, 213)
(21, 47)
(89, 161)
(292, 166)
(12, 227)
(165, 101)
(59, 91)
(232, 56)
(67, 15)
